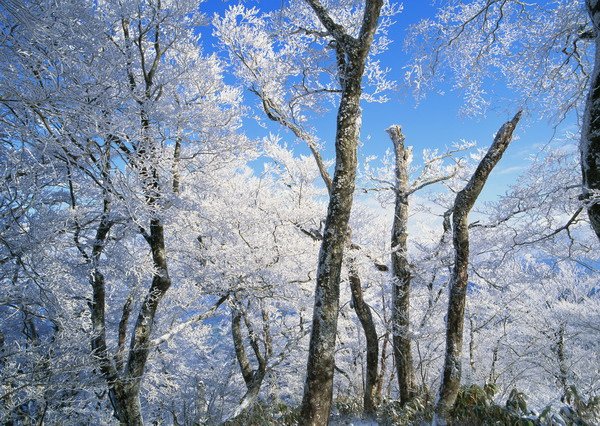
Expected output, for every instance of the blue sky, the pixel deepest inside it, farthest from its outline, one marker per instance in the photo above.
(434, 123)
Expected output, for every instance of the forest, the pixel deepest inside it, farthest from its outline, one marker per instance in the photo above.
(216, 212)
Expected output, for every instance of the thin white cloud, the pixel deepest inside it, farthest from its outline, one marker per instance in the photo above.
(511, 170)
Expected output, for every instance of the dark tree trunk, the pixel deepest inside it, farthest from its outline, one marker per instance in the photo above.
(98, 304)
(124, 386)
(122, 336)
(318, 390)
(238, 345)
(463, 204)
(472, 345)
(563, 368)
(372, 394)
(124, 409)
(363, 312)
(382, 368)
(140, 340)
(126, 403)
(351, 56)
(401, 271)
(590, 133)
(252, 378)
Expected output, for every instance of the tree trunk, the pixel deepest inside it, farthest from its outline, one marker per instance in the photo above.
(140, 340)
(463, 204)
(382, 368)
(238, 345)
(351, 56)
(124, 396)
(590, 133)
(472, 345)
(372, 394)
(252, 392)
(318, 391)
(401, 271)
(563, 369)
(126, 403)
(252, 378)
(363, 312)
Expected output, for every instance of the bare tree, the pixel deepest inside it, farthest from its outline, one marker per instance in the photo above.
(285, 100)
(463, 204)
(261, 346)
(363, 312)
(401, 271)
(103, 141)
(402, 186)
(351, 54)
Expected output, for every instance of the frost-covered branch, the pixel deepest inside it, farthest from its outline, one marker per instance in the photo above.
(195, 319)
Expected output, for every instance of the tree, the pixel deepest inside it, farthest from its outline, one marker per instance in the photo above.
(463, 204)
(159, 266)
(432, 173)
(533, 247)
(401, 271)
(590, 142)
(352, 51)
(120, 140)
(546, 53)
(396, 181)
(351, 56)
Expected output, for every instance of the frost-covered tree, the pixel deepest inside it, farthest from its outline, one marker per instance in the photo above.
(545, 53)
(396, 181)
(530, 252)
(118, 137)
(348, 30)
(351, 55)
(463, 204)
(536, 229)
(159, 267)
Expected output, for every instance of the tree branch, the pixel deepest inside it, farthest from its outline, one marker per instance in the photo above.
(185, 324)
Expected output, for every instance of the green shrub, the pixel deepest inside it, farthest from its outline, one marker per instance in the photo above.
(475, 406)
(418, 410)
(349, 406)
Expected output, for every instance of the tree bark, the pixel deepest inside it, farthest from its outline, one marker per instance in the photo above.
(123, 400)
(463, 204)
(363, 312)
(590, 132)
(351, 57)
(563, 369)
(382, 368)
(140, 340)
(401, 271)
(372, 394)
(238, 345)
(252, 378)
(124, 409)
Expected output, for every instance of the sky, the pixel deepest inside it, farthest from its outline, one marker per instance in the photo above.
(435, 122)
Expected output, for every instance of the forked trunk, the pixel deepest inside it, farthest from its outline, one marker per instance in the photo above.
(252, 377)
(351, 58)
(126, 403)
